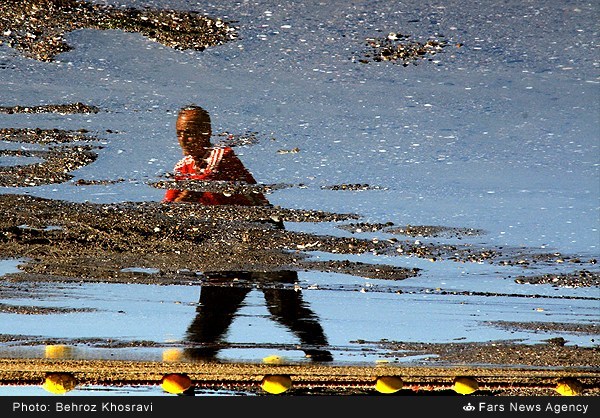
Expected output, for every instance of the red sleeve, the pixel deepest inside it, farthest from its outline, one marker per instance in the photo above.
(171, 195)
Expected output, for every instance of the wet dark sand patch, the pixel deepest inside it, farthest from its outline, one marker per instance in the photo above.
(56, 167)
(527, 258)
(63, 109)
(578, 278)
(401, 49)
(97, 241)
(83, 182)
(435, 231)
(37, 27)
(38, 310)
(444, 292)
(366, 270)
(58, 161)
(494, 353)
(238, 140)
(224, 187)
(588, 329)
(45, 136)
(429, 231)
(100, 240)
(352, 187)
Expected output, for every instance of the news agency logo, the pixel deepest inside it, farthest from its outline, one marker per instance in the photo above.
(468, 407)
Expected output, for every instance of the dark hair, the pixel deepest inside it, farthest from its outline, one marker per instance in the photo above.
(193, 117)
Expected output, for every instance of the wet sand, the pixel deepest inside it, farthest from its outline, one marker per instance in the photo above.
(95, 242)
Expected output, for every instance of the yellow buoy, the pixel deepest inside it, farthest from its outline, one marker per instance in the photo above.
(176, 383)
(59, 383)
(388, 384)
(465, 385)
(276, 384)
(58, 351)
(273, 360)
(569, 387)
(172, 354)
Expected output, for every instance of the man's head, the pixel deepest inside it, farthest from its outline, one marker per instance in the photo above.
(193, 129)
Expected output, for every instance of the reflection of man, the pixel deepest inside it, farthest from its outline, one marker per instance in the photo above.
(203, 161)
(219, 300)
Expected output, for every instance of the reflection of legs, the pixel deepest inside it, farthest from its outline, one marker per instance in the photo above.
(218, 305)
(289, 309)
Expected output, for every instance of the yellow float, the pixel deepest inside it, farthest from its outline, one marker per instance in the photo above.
(59, 383)
(176, 383)
(58, 351)
(276, 384)
(388, 384)
(465, 385)
(569, 387)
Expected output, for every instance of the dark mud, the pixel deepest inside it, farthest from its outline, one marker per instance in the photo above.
(550, 327)
(401, 49)
(95, 241)
(56, 166)
(580, 278)
(45, 136)
(493, 353)
(87, 241)
(38, 310)
(37, 27)
(431, 231)
(65, 153)
(231, 187)
(64, 109)
(354, 187)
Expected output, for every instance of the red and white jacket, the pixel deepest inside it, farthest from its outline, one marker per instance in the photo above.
(221, 165)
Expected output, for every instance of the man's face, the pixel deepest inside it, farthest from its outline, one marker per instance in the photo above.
(193, 142)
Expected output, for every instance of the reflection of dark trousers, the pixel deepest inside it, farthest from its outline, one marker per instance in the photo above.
(219, 304)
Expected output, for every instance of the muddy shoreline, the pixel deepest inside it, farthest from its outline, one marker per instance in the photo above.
(97, 241)
(37, 28)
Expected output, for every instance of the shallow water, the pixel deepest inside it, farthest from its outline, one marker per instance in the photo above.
(500, 134)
